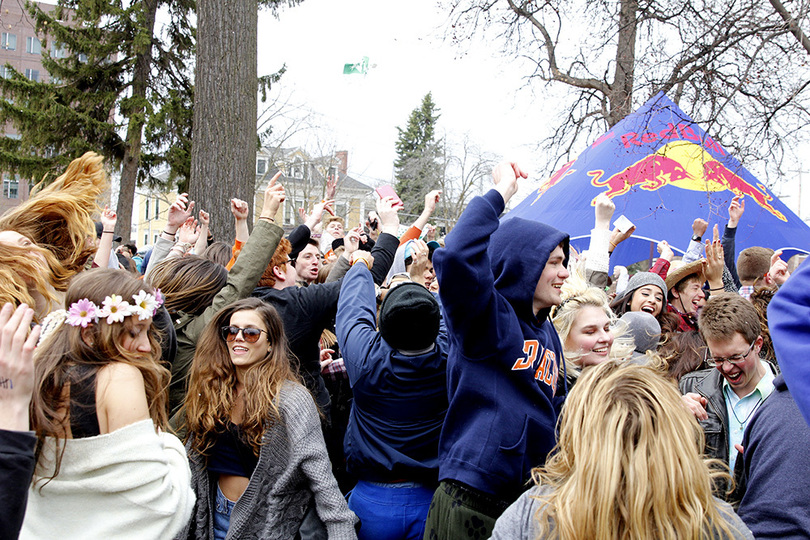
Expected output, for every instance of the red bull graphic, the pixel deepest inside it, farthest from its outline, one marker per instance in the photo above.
(662, 171)
(683, 165)
(717, 173)
(564, 171)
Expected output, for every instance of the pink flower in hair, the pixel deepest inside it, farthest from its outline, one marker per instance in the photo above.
(82, 313)
(115, 309)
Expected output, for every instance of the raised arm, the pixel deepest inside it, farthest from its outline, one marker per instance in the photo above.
(693, 252)
(355, 323)
(464, 269)
(431, 199)
(108, 221)
(736, 209)
(240, 211)
(202, 239)
(179, 211)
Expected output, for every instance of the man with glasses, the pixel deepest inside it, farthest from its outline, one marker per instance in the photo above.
(725, 396)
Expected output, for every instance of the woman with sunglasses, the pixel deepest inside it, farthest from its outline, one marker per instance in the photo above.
(258, 458)
(196, 288)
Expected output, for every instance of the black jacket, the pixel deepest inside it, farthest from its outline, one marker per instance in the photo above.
(16, 468)
(307, 311)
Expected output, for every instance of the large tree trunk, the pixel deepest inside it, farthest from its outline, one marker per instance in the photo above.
(132, 152)
(621, 91)
(223, 150)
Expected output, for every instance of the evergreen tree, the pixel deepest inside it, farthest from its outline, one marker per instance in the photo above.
(417, 166)
(105, 63)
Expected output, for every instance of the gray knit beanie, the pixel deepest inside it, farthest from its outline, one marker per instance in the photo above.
(644, 328)
(641, 279)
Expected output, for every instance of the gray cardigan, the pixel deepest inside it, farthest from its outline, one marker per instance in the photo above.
(293, 469)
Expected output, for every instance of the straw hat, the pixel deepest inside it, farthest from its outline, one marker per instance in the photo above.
(683, 272)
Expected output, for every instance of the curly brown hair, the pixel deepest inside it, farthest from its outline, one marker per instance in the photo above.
(212, 393)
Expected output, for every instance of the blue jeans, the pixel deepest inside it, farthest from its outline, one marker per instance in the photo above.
(222, 515)
(391, 511)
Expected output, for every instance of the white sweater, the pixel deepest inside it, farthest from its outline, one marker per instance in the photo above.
(131, 483)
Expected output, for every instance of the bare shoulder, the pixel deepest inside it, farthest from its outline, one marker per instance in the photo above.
(120, 396)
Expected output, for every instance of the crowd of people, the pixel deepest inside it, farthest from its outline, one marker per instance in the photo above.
(367, 383)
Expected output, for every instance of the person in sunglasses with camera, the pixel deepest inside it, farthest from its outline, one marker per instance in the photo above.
(258, 459)
(725, 396)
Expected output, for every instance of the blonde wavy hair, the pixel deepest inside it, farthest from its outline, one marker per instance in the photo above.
(20, 272)
(58, 217)
(576, 294)
(64, 348)
(212, 392)
(628, 463)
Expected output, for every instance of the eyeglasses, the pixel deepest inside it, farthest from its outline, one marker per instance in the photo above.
(735, 359)
(251, 335)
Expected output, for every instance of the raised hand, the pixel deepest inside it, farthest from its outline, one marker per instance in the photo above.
(273, 197)
(506, 175)
(736, 210)
(778, 272)
(179, 211)
(387, 212)
(16, 365)
(665, 251)
(351, 241)
(603, 211)
(239, 209)
(699, 227)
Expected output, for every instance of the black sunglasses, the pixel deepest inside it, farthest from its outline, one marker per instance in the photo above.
(251, 335)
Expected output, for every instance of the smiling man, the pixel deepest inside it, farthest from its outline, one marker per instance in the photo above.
(726, 396)
(497, 282)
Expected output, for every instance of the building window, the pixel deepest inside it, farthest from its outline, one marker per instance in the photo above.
(33, 46)
(57, 51)
(82, 58)
(8, 41)
(291, 210)
(297, 169)
(154, 239)
(157, 208)
(261, 166)
(146, 214)
(5, 72)
(32, 74)
(11, 187)
(146, 239)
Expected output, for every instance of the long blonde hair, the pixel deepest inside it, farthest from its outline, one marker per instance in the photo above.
(576, 294)
(628, 462)
(59, 217)
(65, 348)
(212, 392)
(20, 269)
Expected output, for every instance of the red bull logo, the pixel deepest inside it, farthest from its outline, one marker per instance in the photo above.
(564, 171)
(683, 165)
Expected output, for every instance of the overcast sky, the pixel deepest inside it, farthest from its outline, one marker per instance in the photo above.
(478, 93)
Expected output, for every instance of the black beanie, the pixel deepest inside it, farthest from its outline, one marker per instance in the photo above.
(409, 317)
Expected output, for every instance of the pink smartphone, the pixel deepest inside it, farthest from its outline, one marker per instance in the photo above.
(388, 191)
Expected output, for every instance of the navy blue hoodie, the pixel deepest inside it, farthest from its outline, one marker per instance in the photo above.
(504, 361)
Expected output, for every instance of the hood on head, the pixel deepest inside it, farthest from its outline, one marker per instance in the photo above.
(518, 251)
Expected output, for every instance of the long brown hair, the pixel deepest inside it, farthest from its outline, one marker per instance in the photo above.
(59, 217)
(62, 351)
(628, 463)
(212, 392)
(189, 284)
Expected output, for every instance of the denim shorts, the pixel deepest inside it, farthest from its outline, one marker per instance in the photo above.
(222, 514)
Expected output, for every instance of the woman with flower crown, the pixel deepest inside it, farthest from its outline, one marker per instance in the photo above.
(105, 467)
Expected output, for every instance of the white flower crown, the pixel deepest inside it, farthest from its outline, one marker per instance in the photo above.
(114, 309)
